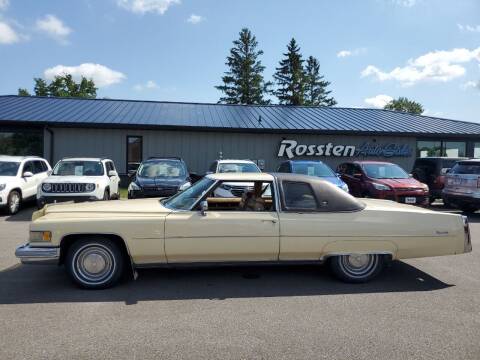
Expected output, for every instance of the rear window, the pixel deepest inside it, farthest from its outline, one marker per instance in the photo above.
(471, 168)
(313, 169)
(238, 168)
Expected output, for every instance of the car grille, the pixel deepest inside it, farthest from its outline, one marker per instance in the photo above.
(68, 188)
(420, 199)
(239, 190)
(160, 190)
(408, 189)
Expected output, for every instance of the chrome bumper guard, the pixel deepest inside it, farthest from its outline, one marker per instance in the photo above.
(38, 255)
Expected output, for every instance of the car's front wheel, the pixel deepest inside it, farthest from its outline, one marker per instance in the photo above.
(357, 268)
(94, 264)
(13, 202)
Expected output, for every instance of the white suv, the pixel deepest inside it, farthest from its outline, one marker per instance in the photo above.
(80, 179)
(233, 189)
(19, 178)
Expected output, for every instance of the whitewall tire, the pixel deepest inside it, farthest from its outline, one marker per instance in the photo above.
(357, 268)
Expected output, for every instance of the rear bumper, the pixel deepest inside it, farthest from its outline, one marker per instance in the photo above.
(38, 255)
(459, 200)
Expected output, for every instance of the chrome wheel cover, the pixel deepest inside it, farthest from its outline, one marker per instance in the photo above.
(14, 202)
(359, 265)
(94, 264)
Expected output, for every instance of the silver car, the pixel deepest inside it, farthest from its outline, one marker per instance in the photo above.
(462, 186)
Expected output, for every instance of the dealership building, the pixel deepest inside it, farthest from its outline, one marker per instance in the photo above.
(128, 131)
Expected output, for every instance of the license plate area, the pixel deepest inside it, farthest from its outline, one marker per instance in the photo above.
(410, 200)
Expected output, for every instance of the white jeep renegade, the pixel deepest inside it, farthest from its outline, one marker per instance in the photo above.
(80, 179)
(19, 178)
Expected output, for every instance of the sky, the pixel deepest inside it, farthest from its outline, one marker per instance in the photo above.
(175, 50)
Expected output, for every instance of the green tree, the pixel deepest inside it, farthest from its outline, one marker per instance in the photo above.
(316, 93)
(63, 86)
(243, 82)
(23, 92)
(290, 77)
(405, 105)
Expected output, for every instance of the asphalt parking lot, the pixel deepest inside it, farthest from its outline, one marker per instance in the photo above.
(418, 309)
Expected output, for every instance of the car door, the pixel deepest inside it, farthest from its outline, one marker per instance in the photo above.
(221, 235)
(29, 184)
(350, 177)
(114, 180)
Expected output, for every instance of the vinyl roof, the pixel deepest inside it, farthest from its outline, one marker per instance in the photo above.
(270, 118)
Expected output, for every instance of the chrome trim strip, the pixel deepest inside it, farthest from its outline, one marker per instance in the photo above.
(38, 255)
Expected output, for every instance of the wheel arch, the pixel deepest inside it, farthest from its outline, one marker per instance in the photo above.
(349, 247)
(68, 240)
(17, 189)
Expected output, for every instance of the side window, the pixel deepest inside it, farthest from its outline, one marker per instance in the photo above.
(298, 196)
(213, 167)
(109, 166)
(28, 167)
(242, 196)
(356, 169)
(38, 167)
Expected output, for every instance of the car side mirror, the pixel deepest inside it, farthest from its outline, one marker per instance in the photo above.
(27, 174)
(357, 175)
(203, 207)
(112, 173)
(49, 172)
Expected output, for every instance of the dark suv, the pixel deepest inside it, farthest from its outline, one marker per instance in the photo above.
(432, 171)
(159, 177)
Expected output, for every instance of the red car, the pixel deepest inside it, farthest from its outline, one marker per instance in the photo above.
(383, 180)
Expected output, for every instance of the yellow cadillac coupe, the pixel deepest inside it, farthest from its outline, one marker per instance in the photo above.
(276, 219)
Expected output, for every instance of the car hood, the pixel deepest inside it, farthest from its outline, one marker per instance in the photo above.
(159, 181)
(7, 179)
(72, 179)
(134, 207)
(400, 183)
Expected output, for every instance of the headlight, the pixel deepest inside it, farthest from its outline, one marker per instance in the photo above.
(344, 187)
(39, 236)
(185, 186)
(133, 186)
(2, 186)
(90, 187)
(381, 187)
(425, 187)
(46, 187)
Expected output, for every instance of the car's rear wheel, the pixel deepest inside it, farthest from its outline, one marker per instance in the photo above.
(13, 202)
(357, 268)
(94, 264)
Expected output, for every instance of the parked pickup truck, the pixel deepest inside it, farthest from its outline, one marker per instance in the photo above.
(302, 220)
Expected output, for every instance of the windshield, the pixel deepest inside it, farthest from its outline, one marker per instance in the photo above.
(472, 168)
(385, 171)
(312, 169)
(163, 168)
(78, 168)
(238, 168)
(9, 168)
(184, 200)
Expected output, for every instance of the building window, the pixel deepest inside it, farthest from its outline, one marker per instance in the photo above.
(134, 153)
(441, 148)
(454, 149)
(476, 150)
(23, 143)
(429, 148)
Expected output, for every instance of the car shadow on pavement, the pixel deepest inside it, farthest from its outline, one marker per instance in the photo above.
(25, 214)
(25, 284)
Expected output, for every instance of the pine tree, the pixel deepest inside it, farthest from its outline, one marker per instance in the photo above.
(41, 87)
(243, 82)
(290, 77)
(316, 93)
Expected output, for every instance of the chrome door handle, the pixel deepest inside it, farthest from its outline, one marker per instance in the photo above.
(272, 221)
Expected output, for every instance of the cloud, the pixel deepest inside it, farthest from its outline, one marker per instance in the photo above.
(101, 75)
(470, 84)
(4, 4)
(195, 19)
(405, 3)
(149, 85)
(354, 52)
(440, 66)
(378, 101)
(469, 28)
(146, 6)
(7, 34)
(54, 27)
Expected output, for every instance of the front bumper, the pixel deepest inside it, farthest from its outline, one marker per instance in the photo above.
(460, 199)
(421, 198)
(151, 193)
(38, 255)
